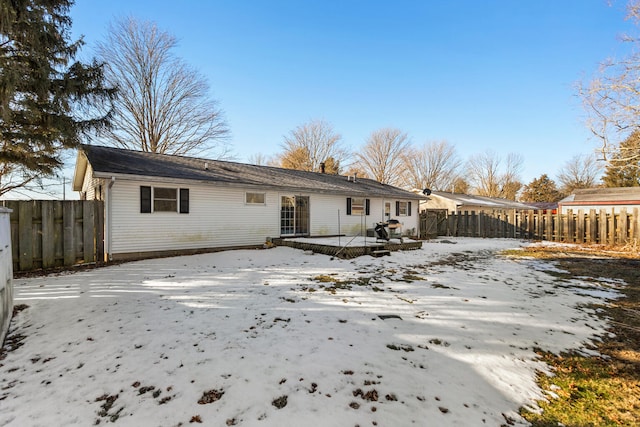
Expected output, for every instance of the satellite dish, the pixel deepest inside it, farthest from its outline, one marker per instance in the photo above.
(426, 191)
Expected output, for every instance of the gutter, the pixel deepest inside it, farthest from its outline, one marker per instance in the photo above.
(108, 220)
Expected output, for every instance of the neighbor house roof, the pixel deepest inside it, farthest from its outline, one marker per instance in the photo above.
(109, 162)
(488, 202)
(616, 195)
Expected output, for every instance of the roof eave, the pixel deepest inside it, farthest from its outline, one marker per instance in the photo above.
(355, 191)
(80, 170)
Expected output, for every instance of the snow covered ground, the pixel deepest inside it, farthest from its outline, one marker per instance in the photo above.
(440, 336)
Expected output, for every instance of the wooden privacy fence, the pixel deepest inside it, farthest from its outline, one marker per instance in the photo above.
(594, 226)
(52, 233)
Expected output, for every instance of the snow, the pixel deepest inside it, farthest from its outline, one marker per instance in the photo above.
(454, 346)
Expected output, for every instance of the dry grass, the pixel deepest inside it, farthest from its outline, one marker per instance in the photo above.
(595, 391)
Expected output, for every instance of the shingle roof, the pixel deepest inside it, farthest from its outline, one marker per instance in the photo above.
(616, 194)
(489, 202)
(107, 161)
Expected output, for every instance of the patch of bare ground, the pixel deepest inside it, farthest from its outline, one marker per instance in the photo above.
(595, 390)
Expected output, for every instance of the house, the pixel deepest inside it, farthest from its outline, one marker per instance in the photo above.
(611, 199)
(158, 204)
(456, 202)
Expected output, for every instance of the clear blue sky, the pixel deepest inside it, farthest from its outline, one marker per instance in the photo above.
(481, 74)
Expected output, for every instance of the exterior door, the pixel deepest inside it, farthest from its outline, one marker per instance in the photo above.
(294, 216)
(387, 211)
(302, 216)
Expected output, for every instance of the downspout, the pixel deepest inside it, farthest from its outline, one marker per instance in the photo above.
(108, 223)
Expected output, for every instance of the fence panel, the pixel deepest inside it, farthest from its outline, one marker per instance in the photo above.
(51, 233)
(595, 226)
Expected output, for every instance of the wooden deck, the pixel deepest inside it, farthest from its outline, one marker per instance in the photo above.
(372, 247)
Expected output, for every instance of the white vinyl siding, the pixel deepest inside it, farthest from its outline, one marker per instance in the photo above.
(218, 217)
(325, 210)
(92, 186)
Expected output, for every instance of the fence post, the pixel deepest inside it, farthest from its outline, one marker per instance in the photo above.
(580, 227)
(623, 227)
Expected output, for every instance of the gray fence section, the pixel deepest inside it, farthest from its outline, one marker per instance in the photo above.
(6, 274)
(594, 226)
(46, 234)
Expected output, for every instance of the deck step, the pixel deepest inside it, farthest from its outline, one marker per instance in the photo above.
(381, 252)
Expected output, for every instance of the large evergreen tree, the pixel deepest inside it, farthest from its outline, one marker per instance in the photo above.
(623, 169)
(541, 189)
(48, 101)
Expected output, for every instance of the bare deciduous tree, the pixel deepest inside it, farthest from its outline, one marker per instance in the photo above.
(381, 156)
(490, 179)
(313, 143)
(163, 104)
(435, 166)
(581, 171)
(612, 100)
(460, 185)
(262, 160)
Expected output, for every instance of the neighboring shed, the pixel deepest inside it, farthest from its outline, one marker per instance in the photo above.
(456, 202)
(160, 204)
(611, 199)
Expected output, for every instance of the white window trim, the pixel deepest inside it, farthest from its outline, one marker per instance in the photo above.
(153, 199)
(255, 204)
(406, 208)
(358, 207)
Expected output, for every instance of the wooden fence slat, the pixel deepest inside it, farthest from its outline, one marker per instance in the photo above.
(55, 233)
(68, 223)
(594, 226)
(99, 227)
(88, 231)
(580, 227)
(622, 227)
(25, 233)
(48, 236)
(13, 219)
(602, 227)
(611, 228)
(571, 226)
(633, 227)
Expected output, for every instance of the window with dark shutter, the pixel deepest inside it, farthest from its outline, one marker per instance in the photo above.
(184, 200)
(356, 206)
(165, 199)
(145, 199)
(367, 207)
(403, 208)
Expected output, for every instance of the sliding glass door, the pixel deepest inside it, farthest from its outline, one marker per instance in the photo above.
(294, 216)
